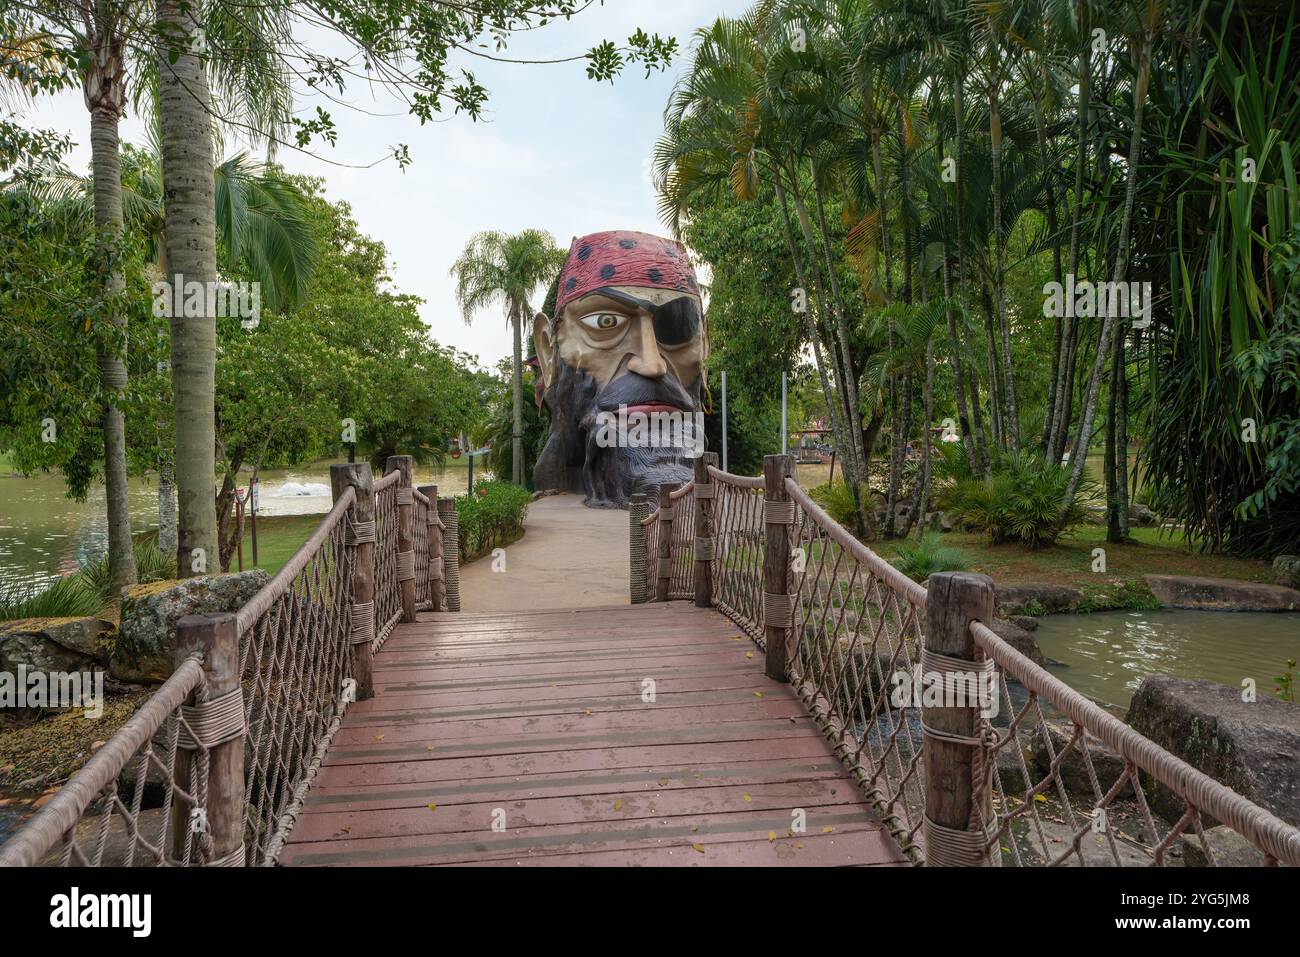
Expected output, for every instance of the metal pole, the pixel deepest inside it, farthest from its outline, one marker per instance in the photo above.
(471, 472)
(784, 428)
(724, 422)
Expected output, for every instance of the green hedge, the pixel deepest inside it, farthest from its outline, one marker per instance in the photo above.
(492, 516)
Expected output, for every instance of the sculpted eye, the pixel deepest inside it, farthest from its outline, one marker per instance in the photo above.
(604, 321)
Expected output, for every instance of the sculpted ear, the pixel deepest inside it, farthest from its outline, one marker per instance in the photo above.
(545, 345)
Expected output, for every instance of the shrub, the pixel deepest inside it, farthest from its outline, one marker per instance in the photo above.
(918, 562)
(1021, 501)
(492, 516)
(837, 499)
(151, 565)
(68, 597)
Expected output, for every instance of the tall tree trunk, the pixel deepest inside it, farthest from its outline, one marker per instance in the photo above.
(921, 498)
(104, 96)
(1064, 385)
(959, 373)
(1121, 438)
(1011, 424)
(517, 426)
(1121, 255)
(166, 508)
(191, 246)
(1040, 130)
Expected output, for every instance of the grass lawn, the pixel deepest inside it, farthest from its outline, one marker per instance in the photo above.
(278, 537)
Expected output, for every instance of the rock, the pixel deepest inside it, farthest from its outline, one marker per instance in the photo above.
(938, 522)
(1286, 571)
(1139, 514)
(1229, 848)
(1019, 639)
(1036, 599)
(1024, 621)
(1106, 762)
(54, 644)
(1252, 747)
(1221, 594)
(1095, 514)
(146, 639)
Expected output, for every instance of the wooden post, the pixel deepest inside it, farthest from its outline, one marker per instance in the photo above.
(216, 638)
(437, 585)
(450, 551)
(705, 489)
(953, 601)
(664, 572)
(638, 560)
(778, 517)
(405, 531)
(361, 539)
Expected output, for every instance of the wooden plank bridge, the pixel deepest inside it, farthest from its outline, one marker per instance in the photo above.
(743, 709)
(546, 725)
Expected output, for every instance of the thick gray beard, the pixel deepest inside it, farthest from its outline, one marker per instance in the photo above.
(573, 462)
(611, 476)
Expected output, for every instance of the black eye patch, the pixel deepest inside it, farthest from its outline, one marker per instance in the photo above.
(677, 322)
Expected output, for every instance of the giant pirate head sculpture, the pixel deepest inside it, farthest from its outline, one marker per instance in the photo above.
(621, 363)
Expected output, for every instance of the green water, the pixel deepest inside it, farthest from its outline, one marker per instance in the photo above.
(45, 534)
(1107, 654)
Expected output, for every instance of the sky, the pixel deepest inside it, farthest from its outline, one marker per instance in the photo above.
(554, 151)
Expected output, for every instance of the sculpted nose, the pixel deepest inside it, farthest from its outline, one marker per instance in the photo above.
(646, 359)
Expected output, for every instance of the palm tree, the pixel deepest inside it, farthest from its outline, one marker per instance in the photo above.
(251, 80)
(500, 269)
(261, 227)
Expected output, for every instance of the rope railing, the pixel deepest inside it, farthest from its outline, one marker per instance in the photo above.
(214, 767)
(99, 817)
(856, 639)
(293, 655)
(1032, 818)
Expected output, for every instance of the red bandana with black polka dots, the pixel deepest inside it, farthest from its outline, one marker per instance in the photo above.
(623, 258)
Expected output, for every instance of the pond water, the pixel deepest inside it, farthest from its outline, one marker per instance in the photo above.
(45, 534)
(1105, 655)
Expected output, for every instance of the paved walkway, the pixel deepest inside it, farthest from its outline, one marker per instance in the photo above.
(570, 557)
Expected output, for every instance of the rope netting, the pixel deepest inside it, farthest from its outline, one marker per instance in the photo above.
(857, 624)
(388, 590)
(681, 583)
(131, 804)
(651, 526)
(141, 799)
(738, 550)
(1059, 780)
(1070, 784)
(420, 529)
(296, 666)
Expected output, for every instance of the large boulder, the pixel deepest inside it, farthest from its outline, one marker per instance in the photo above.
(145, 647)
(1221, 594)
(1286, 571)
(54, 644)
(1036, 599)
(1251, 746)
(1229, 848)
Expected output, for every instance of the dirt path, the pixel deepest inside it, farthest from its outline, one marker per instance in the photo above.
(570, 557)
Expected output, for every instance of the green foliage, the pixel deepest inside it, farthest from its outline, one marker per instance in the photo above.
(918, 562)
(1022, 502)
(1126, 594)
(71, 596)
(495, 429)
(494, 515)
(1286, 682)
(837, 498)
(151, 565)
